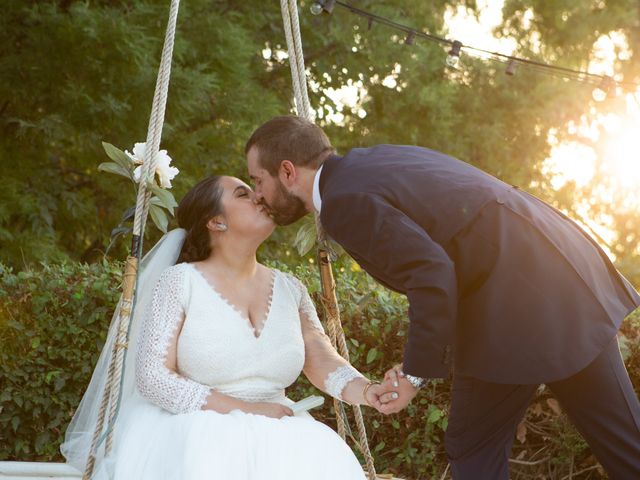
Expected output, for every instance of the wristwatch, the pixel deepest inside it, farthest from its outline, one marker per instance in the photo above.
(417, 382)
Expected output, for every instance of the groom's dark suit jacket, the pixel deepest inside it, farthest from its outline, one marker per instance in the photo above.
(499, 283)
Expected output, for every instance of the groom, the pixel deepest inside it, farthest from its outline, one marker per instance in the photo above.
(505, 292)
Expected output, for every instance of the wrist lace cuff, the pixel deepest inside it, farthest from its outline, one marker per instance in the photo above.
(339, 378)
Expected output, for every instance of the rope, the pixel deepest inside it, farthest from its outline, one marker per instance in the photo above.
(299, 80)
(296, 58)
(333, 336)
(336, 333)
(120, 346)
(156, 122)
(302, 74)
(154, 135)
(111, 396)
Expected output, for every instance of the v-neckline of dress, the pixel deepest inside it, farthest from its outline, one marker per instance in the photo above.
(247, 321)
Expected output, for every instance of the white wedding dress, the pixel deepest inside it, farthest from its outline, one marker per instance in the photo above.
(164, 433)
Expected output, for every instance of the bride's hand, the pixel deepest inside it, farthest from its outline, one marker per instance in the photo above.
(273, 410)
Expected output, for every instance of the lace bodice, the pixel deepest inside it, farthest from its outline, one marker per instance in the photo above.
(217, 347)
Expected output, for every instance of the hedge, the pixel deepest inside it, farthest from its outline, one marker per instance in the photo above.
(53, 322)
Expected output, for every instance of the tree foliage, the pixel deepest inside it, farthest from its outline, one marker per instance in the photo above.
(75, 73)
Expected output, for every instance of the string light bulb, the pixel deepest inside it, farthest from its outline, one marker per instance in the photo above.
(453, 59)
(511, 67)
(316, 8)
(322, 6)
(605, 89)
(411, 38)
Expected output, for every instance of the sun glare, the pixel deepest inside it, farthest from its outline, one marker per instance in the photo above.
(622, 149)
(570, 162)
(617, 138)
(625, 158)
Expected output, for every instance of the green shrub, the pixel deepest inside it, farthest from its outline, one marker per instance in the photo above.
(53, 323)
(52, 326)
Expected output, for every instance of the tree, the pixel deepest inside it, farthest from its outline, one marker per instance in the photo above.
(77, 73)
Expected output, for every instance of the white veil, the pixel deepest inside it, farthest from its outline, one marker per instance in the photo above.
(79, 435)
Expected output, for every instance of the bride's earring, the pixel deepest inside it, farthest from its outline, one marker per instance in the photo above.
(222, 227)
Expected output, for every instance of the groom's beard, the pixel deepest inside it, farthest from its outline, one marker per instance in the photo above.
(286, 208)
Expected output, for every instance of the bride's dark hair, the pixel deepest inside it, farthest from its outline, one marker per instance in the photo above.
(199, 205)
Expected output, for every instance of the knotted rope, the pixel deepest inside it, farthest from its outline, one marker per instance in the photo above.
(111, 397)
(332, 312)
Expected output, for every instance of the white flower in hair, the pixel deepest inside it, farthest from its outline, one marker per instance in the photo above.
(164, 170)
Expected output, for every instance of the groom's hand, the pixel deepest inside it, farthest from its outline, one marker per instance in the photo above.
(395, 381)
(406, 392)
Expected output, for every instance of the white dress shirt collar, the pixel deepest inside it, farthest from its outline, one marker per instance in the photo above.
(317, 201)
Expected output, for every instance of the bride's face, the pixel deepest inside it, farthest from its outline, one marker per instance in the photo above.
(242, 214)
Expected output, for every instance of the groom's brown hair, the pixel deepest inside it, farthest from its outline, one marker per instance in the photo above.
(291, 138)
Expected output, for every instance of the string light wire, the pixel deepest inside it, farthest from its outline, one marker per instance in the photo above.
(511, 60)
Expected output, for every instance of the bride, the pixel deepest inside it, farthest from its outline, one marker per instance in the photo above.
(215, 339)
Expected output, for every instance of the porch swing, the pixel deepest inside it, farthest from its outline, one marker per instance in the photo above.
(103, 433)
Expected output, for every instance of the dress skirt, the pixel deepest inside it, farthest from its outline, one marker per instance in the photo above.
(153, 444)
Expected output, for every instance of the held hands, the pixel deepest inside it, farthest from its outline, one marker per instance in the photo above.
(393, 394)
(394, 378)
(390, 396)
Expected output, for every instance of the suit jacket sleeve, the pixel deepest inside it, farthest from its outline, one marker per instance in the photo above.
(374, 230)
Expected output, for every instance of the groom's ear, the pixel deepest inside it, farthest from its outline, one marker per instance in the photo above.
(287, 173)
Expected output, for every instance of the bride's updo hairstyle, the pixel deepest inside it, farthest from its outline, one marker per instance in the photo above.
(199, 205)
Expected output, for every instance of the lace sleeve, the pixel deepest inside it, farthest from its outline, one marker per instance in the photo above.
(305, 305)
(154, 380)
(324, 366)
